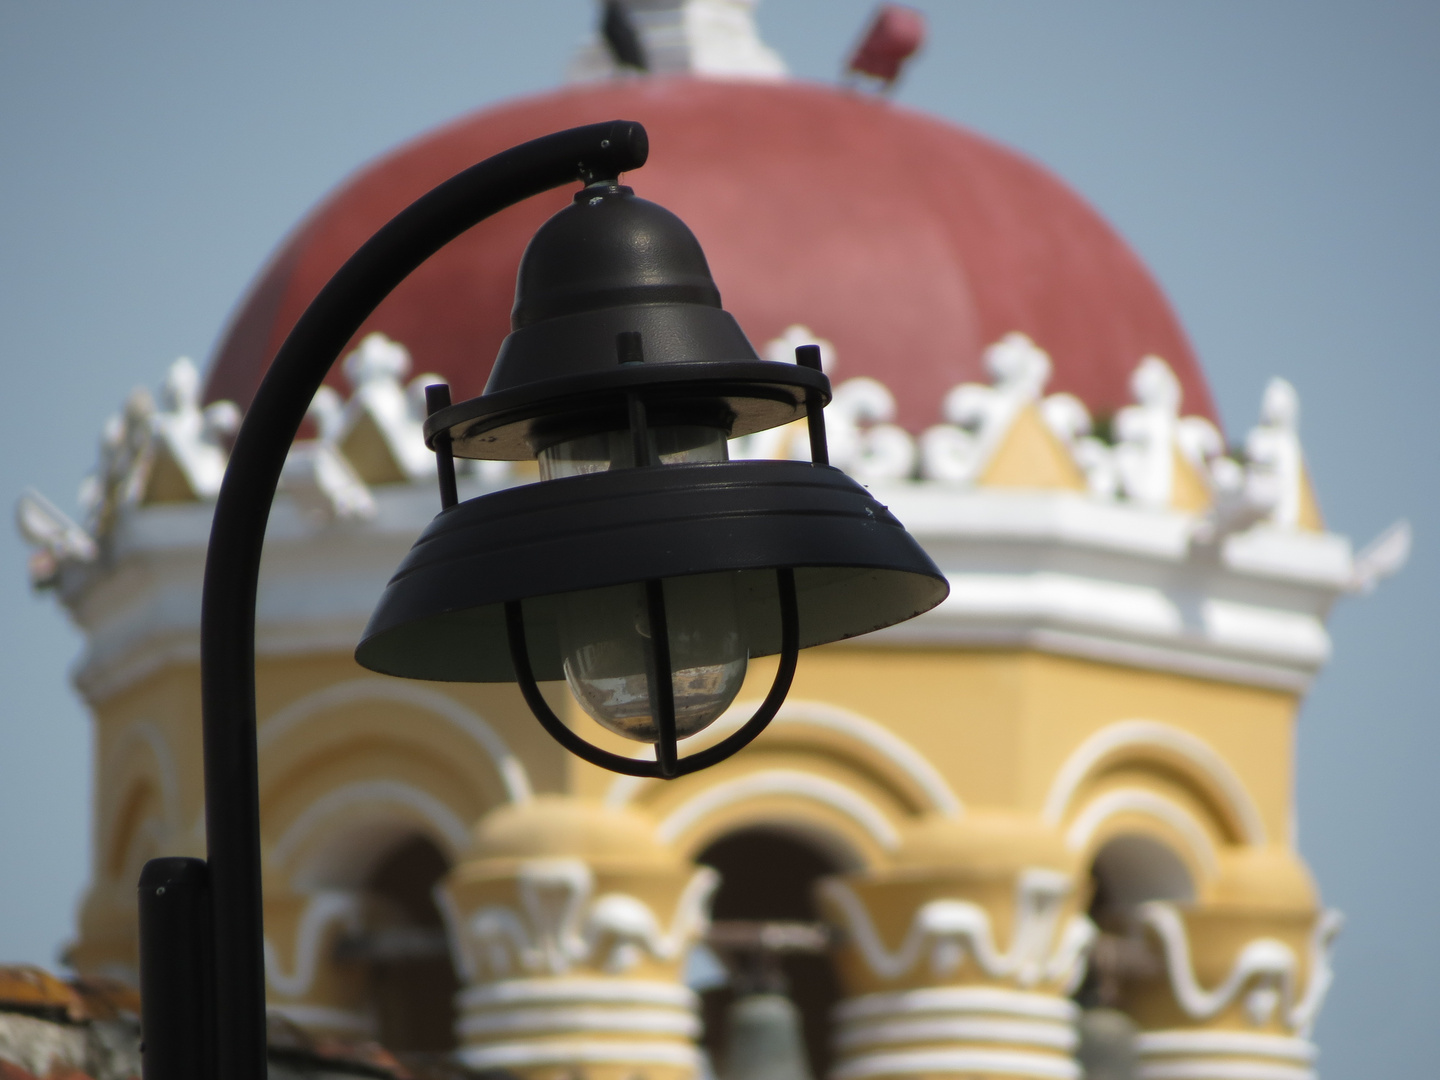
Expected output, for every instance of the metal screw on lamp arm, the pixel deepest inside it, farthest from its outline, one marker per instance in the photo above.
(227, 633)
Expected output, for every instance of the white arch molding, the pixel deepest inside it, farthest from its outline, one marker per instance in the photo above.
(1144, 803)
(382, 802)
(1126, 735)
(511, 770)
(148, 735)
(146, 841)
(872, 736)
(788, 783)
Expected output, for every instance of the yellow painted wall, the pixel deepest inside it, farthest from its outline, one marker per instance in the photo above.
(999, 723)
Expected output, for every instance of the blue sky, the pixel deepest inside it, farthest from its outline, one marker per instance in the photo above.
(1275, 164)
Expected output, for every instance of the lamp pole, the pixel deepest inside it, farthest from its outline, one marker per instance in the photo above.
(231, 980)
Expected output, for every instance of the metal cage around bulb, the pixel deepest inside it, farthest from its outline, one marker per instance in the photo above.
(625, 378)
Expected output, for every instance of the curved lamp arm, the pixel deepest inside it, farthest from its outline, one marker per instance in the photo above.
(232, 566)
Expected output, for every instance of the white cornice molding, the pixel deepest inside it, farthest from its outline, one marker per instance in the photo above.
(140, 607)
(1122, 583)
(1237, 591)
(1053, 571)
(947, 517)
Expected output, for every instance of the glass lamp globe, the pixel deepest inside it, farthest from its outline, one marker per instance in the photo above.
(604, 641)
(605, 633)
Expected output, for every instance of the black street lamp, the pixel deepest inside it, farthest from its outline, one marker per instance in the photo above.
(644, 568)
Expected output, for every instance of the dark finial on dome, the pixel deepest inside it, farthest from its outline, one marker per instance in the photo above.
(611, 264)
(622, 38)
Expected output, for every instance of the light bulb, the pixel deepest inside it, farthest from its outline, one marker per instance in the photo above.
(604, 637)
(676, 444)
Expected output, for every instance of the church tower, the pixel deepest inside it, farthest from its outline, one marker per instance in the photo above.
(1058, 807)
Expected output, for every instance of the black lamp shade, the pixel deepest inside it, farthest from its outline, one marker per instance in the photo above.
(607, 265)
(618, 331)
(442, 615)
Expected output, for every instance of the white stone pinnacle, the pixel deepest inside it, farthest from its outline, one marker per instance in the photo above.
(715, 38)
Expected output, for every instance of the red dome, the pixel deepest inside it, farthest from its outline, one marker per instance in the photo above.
(908, 242)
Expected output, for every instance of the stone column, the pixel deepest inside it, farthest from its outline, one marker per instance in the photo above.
(569, 923)
(958, 960)
(1241, 975)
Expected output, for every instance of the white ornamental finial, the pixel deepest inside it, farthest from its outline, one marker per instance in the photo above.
(376, 370)
(978, 416)
(863, 441)
(1146, 434)
(378, 359)
(716, 38)
(1273, 448)
(195, 437)
(781, 350)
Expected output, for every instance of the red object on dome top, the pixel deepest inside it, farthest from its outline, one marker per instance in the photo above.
(895, 35)
(908, 242)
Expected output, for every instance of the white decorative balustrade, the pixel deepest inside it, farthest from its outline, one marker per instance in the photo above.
(1144, 541)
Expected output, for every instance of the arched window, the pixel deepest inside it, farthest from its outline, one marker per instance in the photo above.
(1128, 870)
(412, 984)
(769, 874)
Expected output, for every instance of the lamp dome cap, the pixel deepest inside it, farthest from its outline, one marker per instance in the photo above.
(609, 248)
(611, 264)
